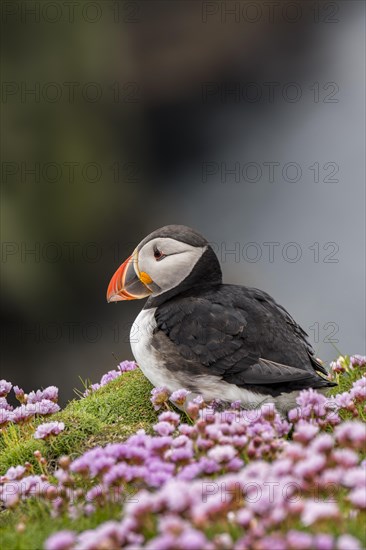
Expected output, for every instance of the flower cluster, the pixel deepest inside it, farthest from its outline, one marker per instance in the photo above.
(47, 429)
(44, 402)
(358, 361)
(50, 394)
(217, 501)
(159, 397)
(217, 443)
(325, 411)
(215, 479)
(125, 366)
(347, 364)
(5, 388)
(315, 407)
(41, 402)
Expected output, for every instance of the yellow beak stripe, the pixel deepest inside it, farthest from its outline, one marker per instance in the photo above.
(145, 278)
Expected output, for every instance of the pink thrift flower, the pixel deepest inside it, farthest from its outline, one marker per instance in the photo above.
(192, 539)
(63, 540)
(354, 477)
(14, 472)
(127, 366)
(339, 365)
(345, 401)
(358, 361)
(311, 403)
(199, 401)
(358, 497)
(179, 397)
(244, 517)
(181, 454)
(222, 453)
(22, 414)
(314, 511)
(299, 540)
(305, 432)
(47, 429)
(193, 410)
(5, 417)
(351, 434)
(294, 414)
(347, 542)
(345, 457)
(323, 542)
(358, 390)
(45, 406)
(5, 388)
(4, 405)
(163, 428)
(310, 466)
(159, 396)
(19, 394)
(169, 416)
(323, 443)
(50, 393)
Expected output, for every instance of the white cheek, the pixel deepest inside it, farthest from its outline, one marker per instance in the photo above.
(172, 270)
(149, 265)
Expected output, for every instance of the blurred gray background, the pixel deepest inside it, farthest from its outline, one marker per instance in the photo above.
(243, 120)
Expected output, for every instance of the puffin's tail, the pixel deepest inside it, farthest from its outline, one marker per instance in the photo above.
(319, 368)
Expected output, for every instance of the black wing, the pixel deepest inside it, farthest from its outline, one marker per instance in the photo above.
(241, 335)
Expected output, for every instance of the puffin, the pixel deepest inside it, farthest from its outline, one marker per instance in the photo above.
(225, 342)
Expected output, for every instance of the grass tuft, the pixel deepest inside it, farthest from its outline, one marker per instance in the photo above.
(110, 414)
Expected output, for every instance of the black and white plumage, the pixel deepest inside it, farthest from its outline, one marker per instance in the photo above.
(223, 341)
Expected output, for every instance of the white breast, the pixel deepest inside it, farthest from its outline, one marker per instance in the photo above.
(146, 357)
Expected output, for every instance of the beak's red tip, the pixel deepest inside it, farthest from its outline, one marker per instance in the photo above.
(116, 291)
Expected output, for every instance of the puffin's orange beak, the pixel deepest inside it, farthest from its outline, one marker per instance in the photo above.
(127, 282)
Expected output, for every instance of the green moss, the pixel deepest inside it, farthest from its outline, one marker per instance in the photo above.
(110, 414)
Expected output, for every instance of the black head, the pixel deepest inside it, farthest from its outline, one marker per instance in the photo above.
(169, 261)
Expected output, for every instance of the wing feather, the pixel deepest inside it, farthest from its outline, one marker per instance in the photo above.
(242, 336)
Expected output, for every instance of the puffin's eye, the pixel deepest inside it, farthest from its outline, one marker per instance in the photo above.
(158, 255)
